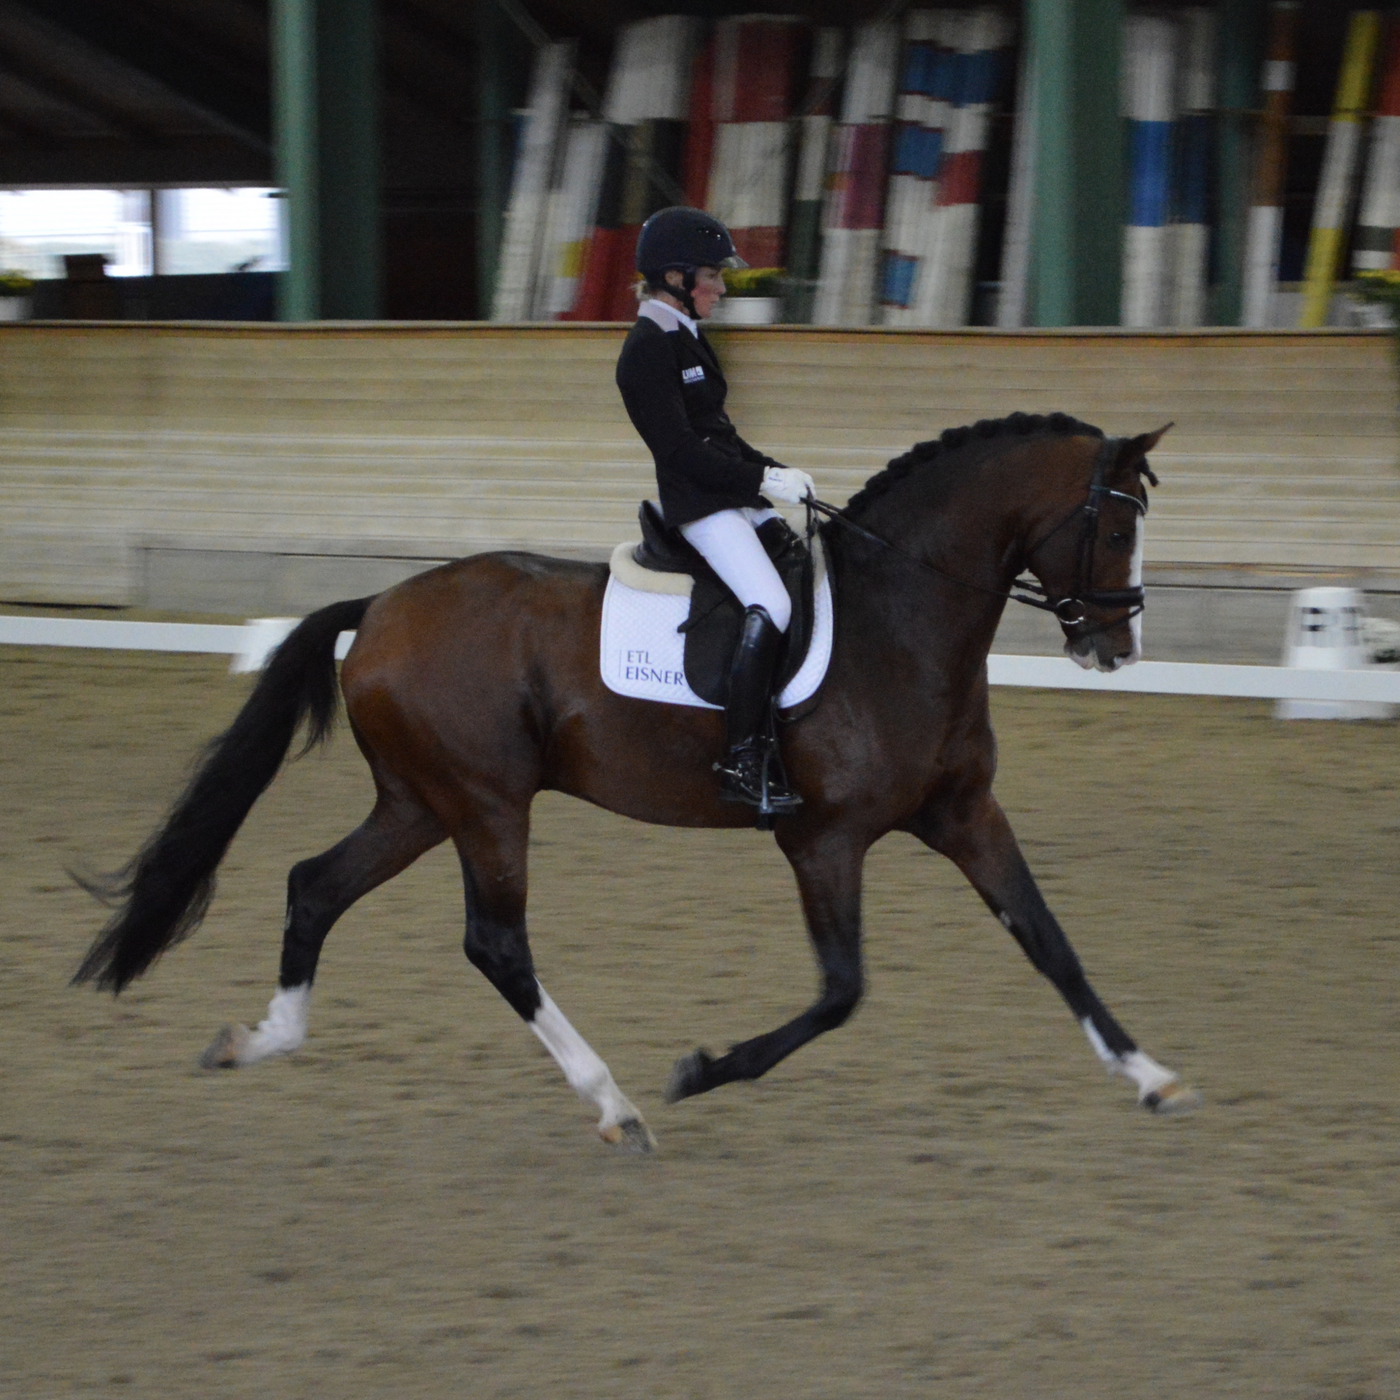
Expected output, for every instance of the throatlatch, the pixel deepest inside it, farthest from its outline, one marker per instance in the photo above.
(752, 772)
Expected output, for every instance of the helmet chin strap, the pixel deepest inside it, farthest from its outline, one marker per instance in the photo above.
(686, 296)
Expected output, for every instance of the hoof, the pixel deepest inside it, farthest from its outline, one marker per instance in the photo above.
(1172, 1098)
(688, 1076)
(631, 1135)
(228, 1048)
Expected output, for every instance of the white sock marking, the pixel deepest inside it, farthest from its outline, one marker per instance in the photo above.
(284, 1028)
(1144, 1072)
(588, 1076)
(1097, 1041)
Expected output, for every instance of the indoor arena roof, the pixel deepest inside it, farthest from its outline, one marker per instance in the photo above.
(177, 91)
(149, 91)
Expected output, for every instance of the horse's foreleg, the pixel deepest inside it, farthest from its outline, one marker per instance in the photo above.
(828, 876)
(493, 855)
(319, 891)
(979, 840)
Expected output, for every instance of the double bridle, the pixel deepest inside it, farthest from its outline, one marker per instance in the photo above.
(1070, 608)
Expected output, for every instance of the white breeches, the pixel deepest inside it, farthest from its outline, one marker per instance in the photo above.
(728, 541)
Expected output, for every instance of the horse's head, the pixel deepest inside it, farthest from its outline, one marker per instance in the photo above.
(1088, 553)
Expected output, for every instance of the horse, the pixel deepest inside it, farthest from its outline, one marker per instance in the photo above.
(473, 686)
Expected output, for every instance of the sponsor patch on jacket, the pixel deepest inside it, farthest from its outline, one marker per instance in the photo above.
(693, 374)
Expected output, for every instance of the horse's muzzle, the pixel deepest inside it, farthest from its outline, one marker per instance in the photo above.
(1100, 651)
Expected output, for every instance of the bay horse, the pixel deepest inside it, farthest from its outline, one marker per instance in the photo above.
(473, 686)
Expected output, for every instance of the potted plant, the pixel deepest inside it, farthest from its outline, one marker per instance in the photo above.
(753, 296)
(15, 289)
(1379, 293)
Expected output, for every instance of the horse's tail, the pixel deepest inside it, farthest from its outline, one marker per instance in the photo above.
(165, 889)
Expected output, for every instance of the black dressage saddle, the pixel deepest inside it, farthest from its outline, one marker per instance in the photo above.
(712, 628)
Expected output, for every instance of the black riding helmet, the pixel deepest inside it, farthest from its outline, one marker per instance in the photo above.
(683, 239)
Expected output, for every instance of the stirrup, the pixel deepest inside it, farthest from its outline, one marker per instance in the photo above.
(753, 775)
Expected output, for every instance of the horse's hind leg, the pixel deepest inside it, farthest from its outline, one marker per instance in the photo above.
(493, 854)
(978, 839)
(319, 891)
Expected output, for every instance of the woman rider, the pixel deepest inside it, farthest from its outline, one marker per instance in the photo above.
(712, 483)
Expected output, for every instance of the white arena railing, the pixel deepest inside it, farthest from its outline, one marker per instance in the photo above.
(250, 645)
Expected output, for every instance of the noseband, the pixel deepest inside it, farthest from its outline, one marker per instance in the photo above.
(1070, 608)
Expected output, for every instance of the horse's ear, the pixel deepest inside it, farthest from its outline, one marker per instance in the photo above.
(1132, 452)
(1141, 445)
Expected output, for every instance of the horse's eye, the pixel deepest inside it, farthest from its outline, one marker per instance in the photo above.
(1118, 538)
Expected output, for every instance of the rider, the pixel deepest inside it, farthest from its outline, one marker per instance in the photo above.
(712, 483)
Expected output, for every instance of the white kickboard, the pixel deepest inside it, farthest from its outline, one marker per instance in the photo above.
(641, 654)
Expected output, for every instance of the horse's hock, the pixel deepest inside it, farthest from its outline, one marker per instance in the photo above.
(265, 469)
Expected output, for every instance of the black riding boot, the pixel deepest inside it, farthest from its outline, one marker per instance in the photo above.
(753, 772)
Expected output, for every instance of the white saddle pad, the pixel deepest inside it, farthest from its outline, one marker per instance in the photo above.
(642, 655)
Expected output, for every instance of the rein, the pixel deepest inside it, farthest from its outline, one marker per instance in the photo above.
(1069, 609)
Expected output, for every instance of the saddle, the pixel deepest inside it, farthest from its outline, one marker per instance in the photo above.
(712, 628)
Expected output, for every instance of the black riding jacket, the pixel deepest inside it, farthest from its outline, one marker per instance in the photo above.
(674, 391)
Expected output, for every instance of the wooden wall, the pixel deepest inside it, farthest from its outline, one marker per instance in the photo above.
(121, 444)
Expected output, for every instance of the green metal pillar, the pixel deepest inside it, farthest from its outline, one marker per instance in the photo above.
(492, 147)
(295, 144)
(1241, 46)
(1077, 236)
(326, 135)
(348, 101)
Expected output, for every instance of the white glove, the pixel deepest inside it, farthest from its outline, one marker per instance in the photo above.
(787, 484)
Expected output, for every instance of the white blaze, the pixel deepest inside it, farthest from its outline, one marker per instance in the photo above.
(1135, 581)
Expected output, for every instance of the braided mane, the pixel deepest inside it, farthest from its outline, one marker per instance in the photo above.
(1017, 425)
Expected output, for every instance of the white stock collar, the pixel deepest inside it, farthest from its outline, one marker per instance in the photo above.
(667, 317)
